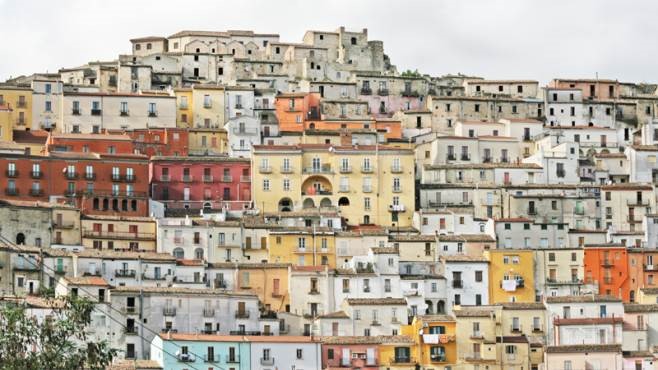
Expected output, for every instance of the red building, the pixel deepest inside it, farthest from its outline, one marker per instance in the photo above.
(201, 182)
(96, 183)
(160, 141)
(90, 143)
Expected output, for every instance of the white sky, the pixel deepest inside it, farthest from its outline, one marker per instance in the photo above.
(490, 38)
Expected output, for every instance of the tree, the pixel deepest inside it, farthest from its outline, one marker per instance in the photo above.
(58, 342)
(410, 73)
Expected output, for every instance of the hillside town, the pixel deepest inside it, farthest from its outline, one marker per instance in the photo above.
(230, 200)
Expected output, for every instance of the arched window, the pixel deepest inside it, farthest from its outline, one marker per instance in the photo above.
(20, 239)
(198, 253)
(343, 201)
(133, 205)
(106, 204)
(115, 204)
(179, 253)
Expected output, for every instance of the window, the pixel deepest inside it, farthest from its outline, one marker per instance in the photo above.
(478, 276)
(266, 185)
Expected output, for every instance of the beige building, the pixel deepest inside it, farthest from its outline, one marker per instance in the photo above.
(18, 102)
(623, 206)
(512, 88)
(119, 233)
(208, 106)
(40, 224)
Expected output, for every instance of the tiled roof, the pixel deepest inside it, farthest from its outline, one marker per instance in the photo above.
(465, 258)
(178, 291)
(375, 301)
(335, 315)
(134, 365)
(626, 186)
(471, 238)
(523, 306)
(582, 299)
(87, 280)
(584, 348)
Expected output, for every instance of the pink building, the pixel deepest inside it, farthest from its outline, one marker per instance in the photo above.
(358, 352)
(201, 182)
(385, 106)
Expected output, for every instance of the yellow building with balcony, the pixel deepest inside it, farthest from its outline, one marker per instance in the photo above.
(6, 129)
(18, 99)
(267, 280)
(208, 103)
(371, 184)
(303, 246)
(398, 352)
(184, 107)
(119, 233)
(511, 275)
(435, 335)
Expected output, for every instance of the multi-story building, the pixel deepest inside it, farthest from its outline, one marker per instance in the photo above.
(367, 184)
(467, 280)
(219, 182)
(118, 232)
(512, 275)
(17, 101)
(607, 266)
(40, 224)
(47, 98)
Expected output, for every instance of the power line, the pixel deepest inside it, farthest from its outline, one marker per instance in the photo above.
(7, 242)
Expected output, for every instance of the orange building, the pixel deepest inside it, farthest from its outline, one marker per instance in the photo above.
(293, 109)
(591, 88)
(607, 265)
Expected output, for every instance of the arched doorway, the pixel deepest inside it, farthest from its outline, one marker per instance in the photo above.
(20, 239)
(430, 308)
(343, 201)
(207, 206)
(440, 307)
(285, 205)
(179, 253)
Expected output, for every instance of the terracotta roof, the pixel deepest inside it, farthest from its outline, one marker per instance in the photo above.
(645, 148)
(523, 306)
(589, 321)
(87, 280)
(376, 301)
(465, 258)
(412, 238)
(473, 312)
(432, 318)
(484, 82)
(335, 315)
(521, 165)
(584, 348)
(469, 238)
(649, 290)
(134, 365)
(190, 262)
(238, 338)
(178, 291)
(85, 137)
(30, 137)
(627, 186)
(582, 299)
(351, 340)
(124, 255)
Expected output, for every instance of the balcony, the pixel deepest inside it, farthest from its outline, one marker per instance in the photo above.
(11, 173)
(324, 169)
(458, 284)
(154, 276)
(637, 202)
(207, 178)
(515, 328)
(63, 225)
(124, 113)
(245, 178)
(186, 357)
(61, 270)
(650, 267)
(71, 175)
(465, 157)
(410, 292)
(187, 178)
(396, 169)
(75, 111)
(438, 358)
(90, 176)
(267, 361)
(153, 114)
(382, 92)
(21, 104)
(232, 359)
(476, 335)
(11, 191)
(410, 93)
(245, 131)
(87, 233)
(573, 281)
(241, 314)
(366, 189)
(606, 263)
(286, 169)
(396, 208)
(343, 188)
(402, 360)
(238, 105)
(208, 312)
(227, 178)
(169, 311)
(451, 157)
(560, 173)
(130, 330)
(131, 310)
(366, 91)
(244, 332)
(207, 105)
(165, 178)
(345, 169)
(36, 192)
(632, 219)
(96, 112)
(367, 169)
(397, 189)
(607, 280)
(125, 273)
(211, 358)
(537, 329)
(265, 169)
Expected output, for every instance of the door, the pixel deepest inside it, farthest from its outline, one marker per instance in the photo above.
(266, 131)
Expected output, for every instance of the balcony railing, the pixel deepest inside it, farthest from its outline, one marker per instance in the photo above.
(402, 360)
(71, 175)
(153, 114)
(187, 178)
(465, 157)
(286, 169)
(345, 169)
(396, 169)
(451, 157)
(241, 314)
(124, 113)
(265, 169)
(382, 92)
(125, 273)
(323, 169)
(516, 328)
(367, 169)
(11, 191)
(96, 112)
(606, 263)
(186, 357)
(438, 358)
(11, 173)
(267, 361)
(208, 312)
(165, 178)
(457, 283)
(36, 174)
(169, 311)
(366, 91)
(63, 225)
(87, 233)
(90, 176)
(36, 192)
(245, 178)
(232, 359)
(227, 178)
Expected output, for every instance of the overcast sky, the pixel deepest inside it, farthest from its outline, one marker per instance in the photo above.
(498, 39)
